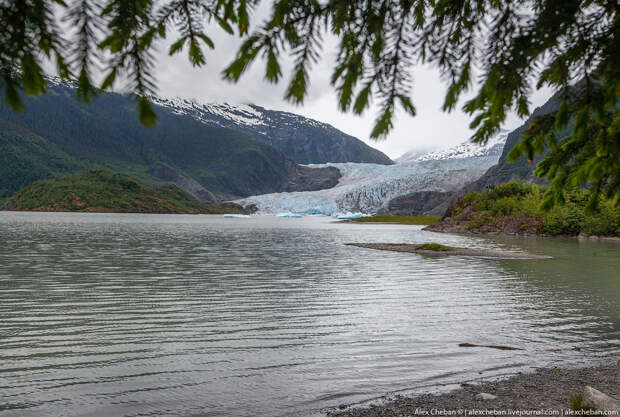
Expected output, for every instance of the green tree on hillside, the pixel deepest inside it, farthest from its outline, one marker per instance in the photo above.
(511, 44)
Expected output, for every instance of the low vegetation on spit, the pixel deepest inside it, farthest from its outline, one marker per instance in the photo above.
(436, 247)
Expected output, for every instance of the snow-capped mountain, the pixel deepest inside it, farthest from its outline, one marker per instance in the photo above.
(301, 139)
(219, 114)
(466, 149)
(304, 140)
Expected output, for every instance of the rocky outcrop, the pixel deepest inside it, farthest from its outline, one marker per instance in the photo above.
(7, 205)
(461, 217)
(427, 203)
(599, 401)
(250, 209)
(312, 179)
(184, 182)
(509, 225)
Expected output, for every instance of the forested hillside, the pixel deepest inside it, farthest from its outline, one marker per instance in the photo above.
(107, 134)
(105, 191)
(26, 157)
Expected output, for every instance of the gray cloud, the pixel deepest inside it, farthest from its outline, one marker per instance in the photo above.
(430, 129)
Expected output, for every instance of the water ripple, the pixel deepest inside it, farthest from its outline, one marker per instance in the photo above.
(144, 315)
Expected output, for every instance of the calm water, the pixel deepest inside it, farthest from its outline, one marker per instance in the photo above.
(150, 315)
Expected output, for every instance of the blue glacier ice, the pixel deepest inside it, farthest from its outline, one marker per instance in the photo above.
(288, 214)
(367, 188)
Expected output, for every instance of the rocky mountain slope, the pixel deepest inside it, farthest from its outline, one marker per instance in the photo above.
(303, 140)
(521, 169)
(208, 161)
(427, 203)
(502, 172)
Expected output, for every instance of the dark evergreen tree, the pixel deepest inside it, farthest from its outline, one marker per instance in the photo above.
(512, 44)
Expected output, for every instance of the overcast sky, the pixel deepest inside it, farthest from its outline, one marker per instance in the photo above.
(430, 129)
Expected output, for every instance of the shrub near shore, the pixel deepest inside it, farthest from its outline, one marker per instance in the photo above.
(518, 205)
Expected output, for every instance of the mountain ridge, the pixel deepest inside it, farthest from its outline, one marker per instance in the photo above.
(500, 172)
(304, 140)
(467, 149)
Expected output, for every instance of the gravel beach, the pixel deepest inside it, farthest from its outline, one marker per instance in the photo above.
(544, 392)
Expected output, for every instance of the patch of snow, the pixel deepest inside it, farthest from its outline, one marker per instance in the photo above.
(239, 115)
(54, 81)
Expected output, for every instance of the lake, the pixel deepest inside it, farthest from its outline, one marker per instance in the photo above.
(178, 315)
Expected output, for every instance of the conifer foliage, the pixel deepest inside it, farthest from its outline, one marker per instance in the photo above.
(505, 48)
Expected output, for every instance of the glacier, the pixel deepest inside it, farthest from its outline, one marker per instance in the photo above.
(367, 188)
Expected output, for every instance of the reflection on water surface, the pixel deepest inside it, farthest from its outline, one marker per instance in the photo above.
(180, 315)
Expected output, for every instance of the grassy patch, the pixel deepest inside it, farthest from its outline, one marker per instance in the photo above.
(577, 404)
(435, 246)
(420, 220)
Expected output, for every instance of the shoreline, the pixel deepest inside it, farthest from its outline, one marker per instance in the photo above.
(543, 389)
(404, 224)
(440, 228)
(460, 228)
